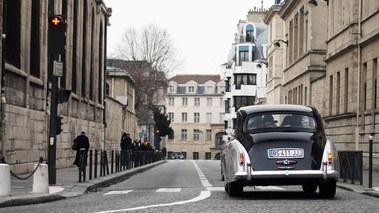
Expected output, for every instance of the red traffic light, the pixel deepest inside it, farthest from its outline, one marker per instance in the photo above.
(157, 131)
(56, 20)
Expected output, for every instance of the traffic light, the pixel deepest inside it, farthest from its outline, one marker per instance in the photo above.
(63, 95)
(57, 34)
(157, 131)
(59, 124)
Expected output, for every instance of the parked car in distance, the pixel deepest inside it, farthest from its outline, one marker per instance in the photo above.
(177, 155)
(279, 145)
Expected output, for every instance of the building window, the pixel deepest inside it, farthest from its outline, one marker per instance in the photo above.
(346, 89)
(245, 79)
(13, 29)
(241, 101)
(184, 117)
(227, 105)
(209, 101)
(184, 134)
(197, 101)
(171, 89)
(330, 94)
(191, 89)
(171, 116)
(243, 56)
(171, 102)
(196, 134)
(196, 117)
(208, 135)
(210, 90)
(209, 117)
(35, 53)
(221, 89)
(338, 89)
(184, 101)
(227, 84)
(222, 115)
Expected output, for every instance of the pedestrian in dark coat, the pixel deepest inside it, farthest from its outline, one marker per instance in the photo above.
(164, 153)
(81, 142)
(126, 142)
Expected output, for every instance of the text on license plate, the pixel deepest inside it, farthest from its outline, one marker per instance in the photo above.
(286, 153)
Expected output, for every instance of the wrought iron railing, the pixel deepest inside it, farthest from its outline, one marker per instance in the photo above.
(351, 166)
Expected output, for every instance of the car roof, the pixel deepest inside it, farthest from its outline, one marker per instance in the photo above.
(276, 107)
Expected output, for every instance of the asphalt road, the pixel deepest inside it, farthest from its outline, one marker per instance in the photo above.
(196, 186)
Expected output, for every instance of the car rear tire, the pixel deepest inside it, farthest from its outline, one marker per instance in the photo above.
(328, 189)
(235, 189)
(309, 188)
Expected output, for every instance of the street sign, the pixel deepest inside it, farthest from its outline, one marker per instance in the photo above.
(140, 135)
(58, 68)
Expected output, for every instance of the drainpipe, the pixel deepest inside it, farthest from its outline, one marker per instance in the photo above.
(3, 101)
(359, 75)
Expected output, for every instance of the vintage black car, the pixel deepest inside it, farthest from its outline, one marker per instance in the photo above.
(279, 145)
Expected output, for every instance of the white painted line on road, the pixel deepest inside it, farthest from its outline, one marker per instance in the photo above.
(169, 190)
(269, 188)
(203, 179)
(118, 192)
(203, 195)
(215, 188)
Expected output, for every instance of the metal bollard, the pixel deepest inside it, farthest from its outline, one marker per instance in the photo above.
(370, 161)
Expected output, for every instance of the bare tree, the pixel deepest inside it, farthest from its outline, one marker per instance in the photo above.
(149, 56)
(153, 44)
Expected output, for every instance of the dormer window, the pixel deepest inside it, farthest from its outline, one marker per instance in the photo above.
(249, 33)
(191, 89)
(171, 89)
(210, 90)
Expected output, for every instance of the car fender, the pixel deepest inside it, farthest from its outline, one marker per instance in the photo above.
(231, 160)
(333, 166)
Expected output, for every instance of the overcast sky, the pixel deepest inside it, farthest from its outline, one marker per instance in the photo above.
(202, 30)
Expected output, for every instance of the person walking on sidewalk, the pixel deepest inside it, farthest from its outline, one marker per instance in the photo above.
(126, 145)
(164, 153)
(126, 142)
(81, 142)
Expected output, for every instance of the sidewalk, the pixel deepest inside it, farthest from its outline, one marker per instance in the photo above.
(68, 185)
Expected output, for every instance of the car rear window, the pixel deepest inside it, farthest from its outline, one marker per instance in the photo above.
(275, 120)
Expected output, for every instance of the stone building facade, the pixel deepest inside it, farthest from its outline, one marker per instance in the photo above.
(351, 106)
(26, 85)
(120, 91)
(196, 108)
(329, 55)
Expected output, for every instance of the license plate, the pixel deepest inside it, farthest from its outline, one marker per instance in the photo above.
(286, 153)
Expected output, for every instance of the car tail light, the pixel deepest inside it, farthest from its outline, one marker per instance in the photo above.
(242, 158)
(330, 157)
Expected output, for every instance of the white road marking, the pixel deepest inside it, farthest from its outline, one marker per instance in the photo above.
(203, 179)
(203, 195)
(169, 190)
(269, 188)
(215, 189)
(118, 192)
